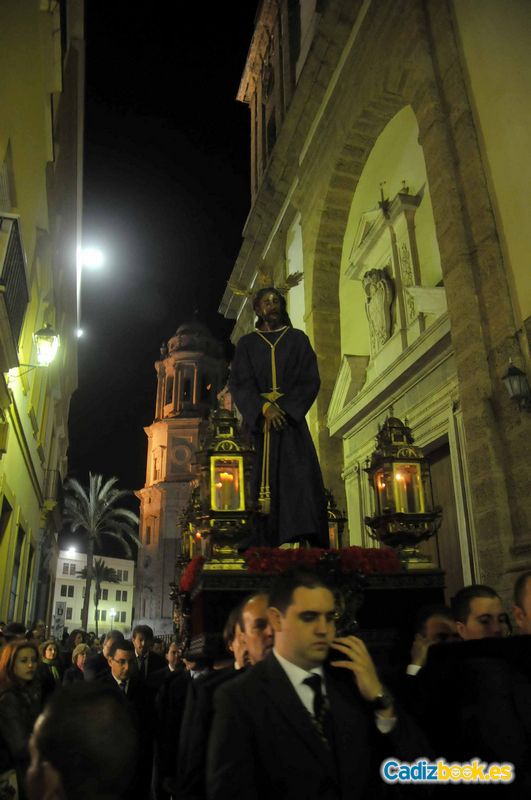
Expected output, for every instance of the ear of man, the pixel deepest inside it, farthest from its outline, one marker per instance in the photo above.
(275, 618)
(519, 616)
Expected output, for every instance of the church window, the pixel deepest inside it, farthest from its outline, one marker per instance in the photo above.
(168, 396)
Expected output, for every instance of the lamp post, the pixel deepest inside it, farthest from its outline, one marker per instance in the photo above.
(399, 476)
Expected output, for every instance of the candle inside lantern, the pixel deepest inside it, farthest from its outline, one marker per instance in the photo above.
(408, 492)
(227, 483)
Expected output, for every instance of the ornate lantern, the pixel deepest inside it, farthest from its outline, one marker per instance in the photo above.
(399, 475)
(336, 521)
(224, 469)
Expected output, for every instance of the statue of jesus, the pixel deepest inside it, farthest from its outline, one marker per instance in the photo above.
(274, 381)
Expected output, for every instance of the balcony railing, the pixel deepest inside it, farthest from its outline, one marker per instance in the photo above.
(13, 290)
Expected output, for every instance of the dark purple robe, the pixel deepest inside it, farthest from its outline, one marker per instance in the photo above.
(298, 503)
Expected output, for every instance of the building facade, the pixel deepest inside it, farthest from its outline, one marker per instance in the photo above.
(389, 162)
(41, 159)
(115, 607)
(190, 374)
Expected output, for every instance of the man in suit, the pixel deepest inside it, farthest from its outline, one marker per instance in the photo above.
(294, 728)
(134, 693)
(146, 661)
(250, 616)
(99, 665)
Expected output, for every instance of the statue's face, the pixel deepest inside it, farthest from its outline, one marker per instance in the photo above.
(269, 308)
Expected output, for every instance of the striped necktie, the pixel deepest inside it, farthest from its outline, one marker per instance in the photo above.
(321, 712)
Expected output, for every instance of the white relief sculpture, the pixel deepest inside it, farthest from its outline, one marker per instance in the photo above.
(379, 291)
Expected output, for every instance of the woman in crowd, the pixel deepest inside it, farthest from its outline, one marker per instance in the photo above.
(50, 671)
(76, 637)
(19, 707)
(76, 671)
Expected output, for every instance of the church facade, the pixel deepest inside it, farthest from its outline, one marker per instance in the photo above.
(389, 161)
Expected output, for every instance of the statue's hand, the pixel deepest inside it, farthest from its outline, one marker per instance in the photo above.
(275, 417)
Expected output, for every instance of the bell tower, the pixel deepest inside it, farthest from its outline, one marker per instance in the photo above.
(190, 374)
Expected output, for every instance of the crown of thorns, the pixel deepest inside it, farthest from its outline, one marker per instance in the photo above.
(263, 281)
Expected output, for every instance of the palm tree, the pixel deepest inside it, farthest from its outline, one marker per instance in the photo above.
(101, 574)
(96, 514)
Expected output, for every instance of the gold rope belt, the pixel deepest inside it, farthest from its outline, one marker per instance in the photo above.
(264, 496)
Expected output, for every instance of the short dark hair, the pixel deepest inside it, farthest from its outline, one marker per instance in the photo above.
(241, 608)
(427, 612)
(285, 584)
(84, 725)
(461, 601)
(121, 644)
(229, 631)
(144, 630)
(284, 317)
(520, 587)
(113, 635)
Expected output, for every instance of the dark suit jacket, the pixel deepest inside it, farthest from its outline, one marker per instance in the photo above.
(154, 663)
(264, 744)
(195, 729)
(138, 700)
(96, 666)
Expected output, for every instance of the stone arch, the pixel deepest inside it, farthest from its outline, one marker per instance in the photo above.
(420, 67)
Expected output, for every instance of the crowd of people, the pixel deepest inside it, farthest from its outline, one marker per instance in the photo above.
(291, 711)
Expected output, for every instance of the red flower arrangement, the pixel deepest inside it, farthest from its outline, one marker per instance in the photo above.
(191, 574)
(271, 561)
(351, 559)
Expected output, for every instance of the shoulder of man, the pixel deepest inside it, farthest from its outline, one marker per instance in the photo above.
(248, 681)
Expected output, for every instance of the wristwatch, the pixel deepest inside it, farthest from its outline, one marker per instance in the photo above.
(383, 700)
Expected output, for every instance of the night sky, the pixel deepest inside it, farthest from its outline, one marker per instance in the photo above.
(166, 194)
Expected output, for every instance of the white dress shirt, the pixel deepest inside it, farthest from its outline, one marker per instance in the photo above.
(297, 676)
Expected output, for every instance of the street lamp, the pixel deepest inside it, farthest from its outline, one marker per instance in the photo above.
(87, 258)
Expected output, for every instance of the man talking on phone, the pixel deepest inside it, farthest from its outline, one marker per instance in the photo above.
(294, 727)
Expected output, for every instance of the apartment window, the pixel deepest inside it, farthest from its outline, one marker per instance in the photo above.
(118, 595)
(65, 568)
(103, 616)
(68, 613)
(70, 591)
(126, 576)
(72, 569)
(122, 616)
(119, 574)
(64, 587)
(104, 594)
(124, 597)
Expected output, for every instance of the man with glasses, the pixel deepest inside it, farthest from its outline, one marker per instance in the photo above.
(136, 696)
